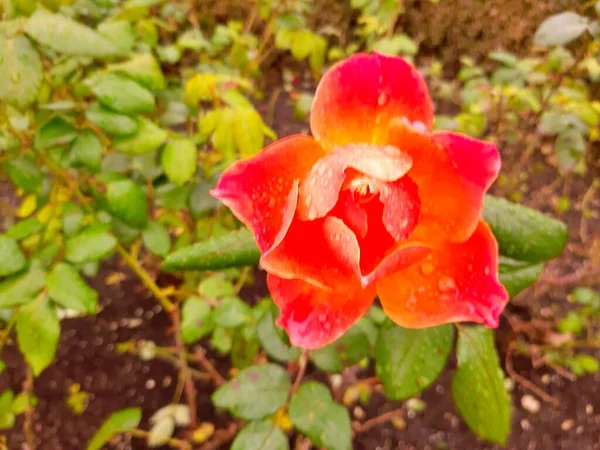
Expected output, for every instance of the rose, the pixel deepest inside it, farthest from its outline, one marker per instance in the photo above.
(375, 203)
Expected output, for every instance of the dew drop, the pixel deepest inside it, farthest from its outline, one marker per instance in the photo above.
(486, 270)
(382, 99)
(427, 268)
(446, 284)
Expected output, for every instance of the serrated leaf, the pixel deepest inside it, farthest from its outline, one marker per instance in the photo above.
(149, 137)
(313, 411)
(349, 349)
(248, 132)
(477, 386)
(123, 420)
(87, 150)
(272, 342)
(232, 312)
(122, 94)
(67, 36)
(111, 122)
(20, 71)
(409, 360)
(255, 392)
(24, 173)
(260, 435)
(234, 249)
(144, 69)
(518, 275)
(22, 288)
(89, 246)
(157, 239)
(12, 259)
(560, 29)
(196, 320)
(38, 331)
(179, 160)
(67, 288)
(524, 233)
(127, 201)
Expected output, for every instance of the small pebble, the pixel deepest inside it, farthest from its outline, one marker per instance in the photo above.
(589, 409)
(150, 383)
(546, 378)
(530, 404)
(525, 425)
(567, 424)
(359, 413)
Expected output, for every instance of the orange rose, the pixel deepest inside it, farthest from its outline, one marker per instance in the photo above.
(374, 203)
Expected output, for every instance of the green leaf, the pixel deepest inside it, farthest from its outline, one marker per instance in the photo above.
(24, 173)
(87, 150)
(350, 349)
(111, 122)
(571, 323)
(24, 228)
(223, 138)
(560, 29)
(64, 35)
(67, 288)
(12, 259)
(144, 69)
(149, 137)
(120, 421)
(22, 288)
(216, 287)
(157, 239)
(477, 385)
(38, 331)
(2, 366)
(20, 71)
(516, 276)
(232, 312)
(234, 249)
(127, 201)
(586, 297)
(180, 160)
(272, 342)
(7, 417)
(222, 339)
(313, 411)
(119, 32)
(523, 233)
(89, 245)
(57, 131)
(302, 44)
(255, 392)
(570, 149)
(196, 320)
(260, 435)
(400, 44)
(248, 132)
(409, 360)
(123, 95)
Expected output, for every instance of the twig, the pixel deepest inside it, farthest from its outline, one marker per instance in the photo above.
(524, 381)
(200, 356)
(377, 420)
(28, 422)
(222, 437)
(172, 442)
(184, 374)
(303, 362)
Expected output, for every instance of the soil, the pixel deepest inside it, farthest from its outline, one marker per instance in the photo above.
(87, 353)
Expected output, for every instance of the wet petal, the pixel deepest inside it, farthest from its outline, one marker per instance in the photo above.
(457, 283)
(401, 207)
(351, 213)
(453, 173)
(323, 252)
(314, 317)
(262, 191)
(357, 98)
(319, 191)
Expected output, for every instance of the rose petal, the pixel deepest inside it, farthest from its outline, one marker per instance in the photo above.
(357, 98)
(401, 207)
(262, 191)
(319, 191)
(323, 252)
(453, 173)
(457, 283)
(314, 317)
(351, 213)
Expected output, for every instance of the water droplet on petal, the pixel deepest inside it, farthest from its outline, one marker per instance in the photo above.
(486, 270)
(427, 268)
(446, 284)
(382, 99)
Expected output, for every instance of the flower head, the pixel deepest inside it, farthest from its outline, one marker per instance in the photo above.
(375, 203)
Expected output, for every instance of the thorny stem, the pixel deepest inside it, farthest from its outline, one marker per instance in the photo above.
(302, 363)
(200, 356)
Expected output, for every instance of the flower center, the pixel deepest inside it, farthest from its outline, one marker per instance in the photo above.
(363, 190)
